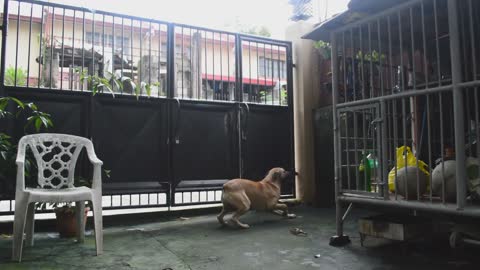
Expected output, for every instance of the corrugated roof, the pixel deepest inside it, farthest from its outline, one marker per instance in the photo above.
(357, 9)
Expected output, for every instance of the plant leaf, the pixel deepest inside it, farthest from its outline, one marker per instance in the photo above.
(148, 89)
(38, 124)
(32, 106)
(19, 103)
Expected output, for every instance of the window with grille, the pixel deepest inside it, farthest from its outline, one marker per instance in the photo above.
(272, 68)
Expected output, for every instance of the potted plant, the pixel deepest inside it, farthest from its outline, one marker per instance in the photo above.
(65, 213)
(66, 222)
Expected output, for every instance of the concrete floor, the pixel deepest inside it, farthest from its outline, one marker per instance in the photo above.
(200, 243)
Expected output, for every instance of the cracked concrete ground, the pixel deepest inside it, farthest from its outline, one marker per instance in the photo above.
(200, 243)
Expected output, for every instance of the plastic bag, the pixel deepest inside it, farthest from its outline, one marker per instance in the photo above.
(411, 162)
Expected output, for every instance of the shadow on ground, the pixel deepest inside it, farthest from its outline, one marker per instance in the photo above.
(200, 243)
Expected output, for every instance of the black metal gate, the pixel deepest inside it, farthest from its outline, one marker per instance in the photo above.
(193, 107)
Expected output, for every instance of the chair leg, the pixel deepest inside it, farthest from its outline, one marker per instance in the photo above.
(30, 224)
(80, 213)
(19, 227)
(97, 216)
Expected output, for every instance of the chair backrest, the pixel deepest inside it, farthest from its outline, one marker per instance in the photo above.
(56, 156)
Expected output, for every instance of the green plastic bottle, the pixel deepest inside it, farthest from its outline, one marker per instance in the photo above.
(368, 164)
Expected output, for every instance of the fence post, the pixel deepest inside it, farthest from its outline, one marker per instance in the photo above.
(339, 239)
(171, 84)
(290, 104)
(238, 69)
(455, 55)
(4, 47)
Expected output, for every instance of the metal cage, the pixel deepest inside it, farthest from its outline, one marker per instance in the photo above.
(406, 115)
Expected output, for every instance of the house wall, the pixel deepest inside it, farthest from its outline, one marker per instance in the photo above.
(22, 60)
(220, 58)
(306, 97)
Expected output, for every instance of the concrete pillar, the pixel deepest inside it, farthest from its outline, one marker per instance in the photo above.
(306, 89)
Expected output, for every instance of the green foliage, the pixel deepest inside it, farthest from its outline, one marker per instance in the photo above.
(98, 83)
(8, 150)
(323, 48)
(21, 79)
(7, 160)
(374, 56)
(37, 118)
(283, 96)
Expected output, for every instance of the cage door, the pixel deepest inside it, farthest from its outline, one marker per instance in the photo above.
(360, 150)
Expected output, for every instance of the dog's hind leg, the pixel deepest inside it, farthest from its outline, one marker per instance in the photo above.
(237, 214)
(222, 215)
(242, 205)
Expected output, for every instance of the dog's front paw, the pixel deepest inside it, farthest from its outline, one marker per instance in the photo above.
(291, 216)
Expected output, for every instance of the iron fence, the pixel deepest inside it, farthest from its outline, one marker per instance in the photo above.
(173, 110)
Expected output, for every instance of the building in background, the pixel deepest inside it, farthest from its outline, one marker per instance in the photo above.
(58, 48)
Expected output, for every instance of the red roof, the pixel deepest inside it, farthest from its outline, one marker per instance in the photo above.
(260, 81)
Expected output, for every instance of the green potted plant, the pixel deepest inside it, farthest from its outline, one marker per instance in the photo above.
(65, 213)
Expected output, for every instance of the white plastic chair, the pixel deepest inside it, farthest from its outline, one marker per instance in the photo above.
(56, 156)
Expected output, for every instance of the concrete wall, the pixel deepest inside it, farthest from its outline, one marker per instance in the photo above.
(306, 98)
(22, 61)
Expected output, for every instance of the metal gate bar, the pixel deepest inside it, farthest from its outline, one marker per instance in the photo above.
(418, 61)
(79, 46)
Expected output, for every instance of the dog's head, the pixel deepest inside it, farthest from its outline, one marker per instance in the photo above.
(279, 175)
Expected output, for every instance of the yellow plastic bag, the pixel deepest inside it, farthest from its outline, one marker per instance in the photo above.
(411, 162)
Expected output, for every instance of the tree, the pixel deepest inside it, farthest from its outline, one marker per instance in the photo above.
(255, 30)
(249, 29)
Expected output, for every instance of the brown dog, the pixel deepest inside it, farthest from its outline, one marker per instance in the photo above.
(241, 195)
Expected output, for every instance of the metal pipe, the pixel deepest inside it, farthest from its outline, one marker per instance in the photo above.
(159, 76)
(51, 49)
(83, 46)
(170, 60)
(290, 104)
(16, 45)
(444, 88)
(206, 66)
(345, 215)
(383, 158)
(347, 140)
(30, 42)
(272, 68)
(449, 209)
(73, 50)
(221, 68)
(474, 72)
(250, 94)
(4, 46)
(457, 102)
(238, 68)
(338, 208)
(40, 53)
(63, 49)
